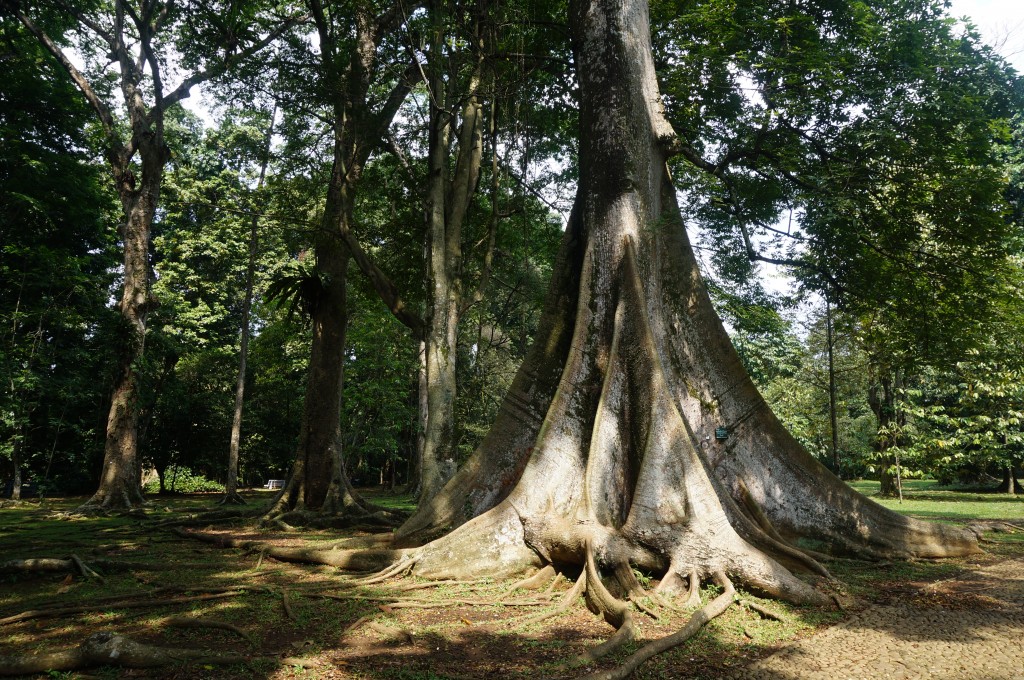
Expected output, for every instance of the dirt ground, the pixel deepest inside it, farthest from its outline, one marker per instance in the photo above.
(970, 627)
(949, 619)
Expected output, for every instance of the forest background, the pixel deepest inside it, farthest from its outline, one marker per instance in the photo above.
(885, 182)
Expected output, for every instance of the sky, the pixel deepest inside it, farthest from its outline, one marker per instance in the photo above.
(1001, 23)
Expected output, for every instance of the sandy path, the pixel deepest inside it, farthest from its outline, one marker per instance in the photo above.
(978, 634)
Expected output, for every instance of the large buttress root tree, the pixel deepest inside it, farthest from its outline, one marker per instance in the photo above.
(604, 453)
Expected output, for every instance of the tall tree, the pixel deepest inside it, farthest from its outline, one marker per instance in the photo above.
(231, 487)
(650, 445)
(54, 264)
(139, 40)
(634, 435)
(362, 92)
(447, 203)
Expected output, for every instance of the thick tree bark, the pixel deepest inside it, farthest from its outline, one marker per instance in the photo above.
(317, 479)
(605, 446)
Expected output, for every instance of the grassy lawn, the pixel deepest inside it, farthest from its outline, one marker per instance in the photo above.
(455, 630)
(925, 499)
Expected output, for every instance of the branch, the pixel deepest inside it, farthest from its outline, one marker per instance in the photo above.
(146, 55)
(492, 224)
(523, 184)
(106, 119)
(378, 127)
(395, 149)
(395, 15)
(385, 289)
(90, 24)
(184, 89)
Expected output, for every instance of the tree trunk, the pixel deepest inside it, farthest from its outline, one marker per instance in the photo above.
(318, 481)
(447, 204)
(444, 256)
(120, 479)
(1009, 483)
(833, 418)
(605, 447)
(231, 488)
(882, 400)
(16, 463)
(315, 481)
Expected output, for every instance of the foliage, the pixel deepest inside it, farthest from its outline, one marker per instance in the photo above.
(859, 143)
(970, 417)
(872, 146)
(379, 408)
(56, 241)
(178, 479)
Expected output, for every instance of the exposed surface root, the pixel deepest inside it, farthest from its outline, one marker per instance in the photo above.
(764, 612)
(287, 605)
(355, 624)
(109, 649)
(233, 498)
(615, 611)
(207, 517)
(119, 604)
(672, 585)
(998, 526)
(41, 564)
(73, 564)
(390, 632)
(636, 593)
(84, 568)
(395, 570)
(567, 601)
(693, 590)
(379, 518)
(354, 560)
(192, 622)
(697, 621)
(542, 577)
(48, 565)
(361, 542)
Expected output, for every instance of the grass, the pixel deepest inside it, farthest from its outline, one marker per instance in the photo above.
(925, 499)
(450, 641)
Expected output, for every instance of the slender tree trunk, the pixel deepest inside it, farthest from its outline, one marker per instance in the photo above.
(16, 463)
(447, 204)
(882, 400)
(231, 488)
(443, 263)
(1010, 483)
(832, 415)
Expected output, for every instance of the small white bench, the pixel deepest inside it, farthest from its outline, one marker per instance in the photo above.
(274, 484)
